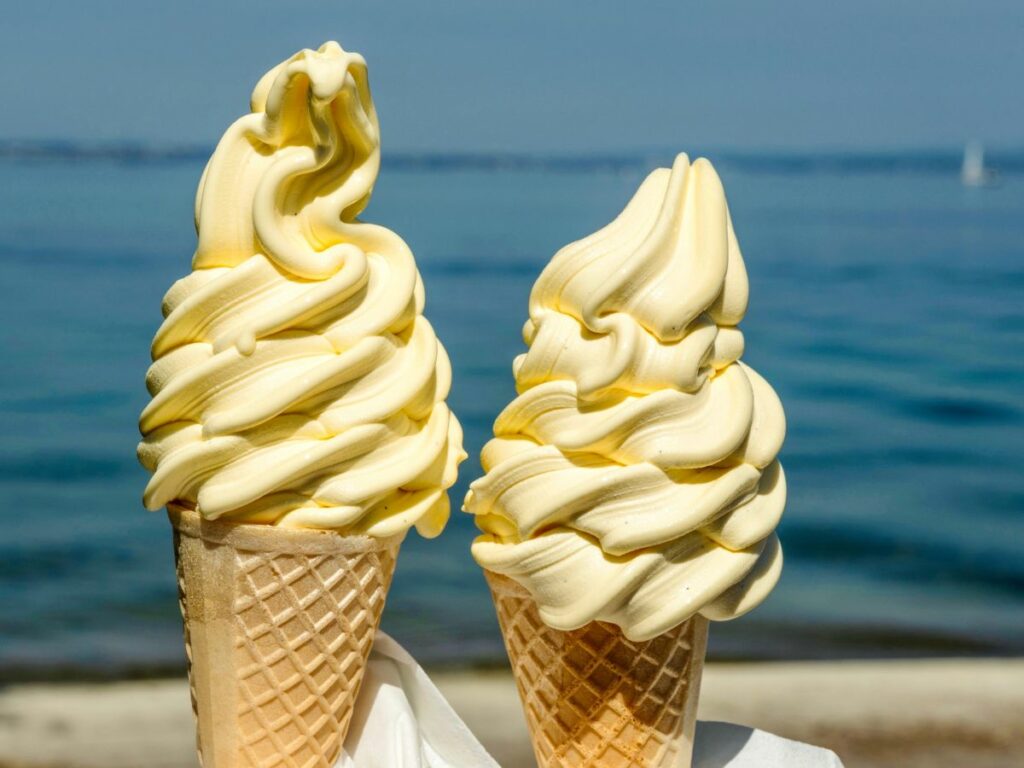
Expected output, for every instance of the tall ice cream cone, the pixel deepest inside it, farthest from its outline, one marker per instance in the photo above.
(298, 426)
(632, 488)
(278, 627)
(593, 698)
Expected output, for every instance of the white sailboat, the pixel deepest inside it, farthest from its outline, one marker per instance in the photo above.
(973, 172)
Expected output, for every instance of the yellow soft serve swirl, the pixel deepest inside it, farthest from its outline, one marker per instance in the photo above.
(634, 479)
(295, 380)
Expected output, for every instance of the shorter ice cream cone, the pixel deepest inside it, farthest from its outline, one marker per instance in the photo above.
(595, 699)
(278, 627)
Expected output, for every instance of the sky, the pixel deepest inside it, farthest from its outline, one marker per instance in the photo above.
(555, 76)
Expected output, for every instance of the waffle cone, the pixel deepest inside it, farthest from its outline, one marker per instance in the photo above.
(278, 627)
(595, 699)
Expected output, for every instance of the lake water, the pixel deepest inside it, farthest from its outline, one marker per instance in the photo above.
(886, 309)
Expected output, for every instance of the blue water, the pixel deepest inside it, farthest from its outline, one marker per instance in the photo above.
(886, 310)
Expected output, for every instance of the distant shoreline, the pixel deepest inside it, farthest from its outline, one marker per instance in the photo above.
(932, 161)
(899, 649)
(928, 714)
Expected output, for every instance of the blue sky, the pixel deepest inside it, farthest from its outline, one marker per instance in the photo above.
(535, 75)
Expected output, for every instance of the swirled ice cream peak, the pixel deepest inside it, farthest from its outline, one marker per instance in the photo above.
(295, 380)
(634, 479)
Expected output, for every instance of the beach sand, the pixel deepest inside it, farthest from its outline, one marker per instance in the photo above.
(891, 714)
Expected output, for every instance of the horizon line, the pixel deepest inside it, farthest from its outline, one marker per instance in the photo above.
(931, 159)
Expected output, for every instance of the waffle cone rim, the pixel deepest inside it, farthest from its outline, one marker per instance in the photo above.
(252, 537)
(500, 584)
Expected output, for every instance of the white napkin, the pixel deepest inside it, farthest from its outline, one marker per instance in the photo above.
(402, 721)
(725, 745)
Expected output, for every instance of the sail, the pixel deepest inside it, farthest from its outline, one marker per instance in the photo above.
(972, 172)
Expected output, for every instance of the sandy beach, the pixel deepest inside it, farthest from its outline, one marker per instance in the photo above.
(896, 714)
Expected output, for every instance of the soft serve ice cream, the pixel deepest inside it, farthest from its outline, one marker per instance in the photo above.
(295, 380)
(634, 479)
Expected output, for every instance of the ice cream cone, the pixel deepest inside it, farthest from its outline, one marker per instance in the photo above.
(595, 699)
(278, 627)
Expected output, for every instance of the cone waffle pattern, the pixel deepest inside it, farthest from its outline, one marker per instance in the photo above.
(278, 628)
(595, 699)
